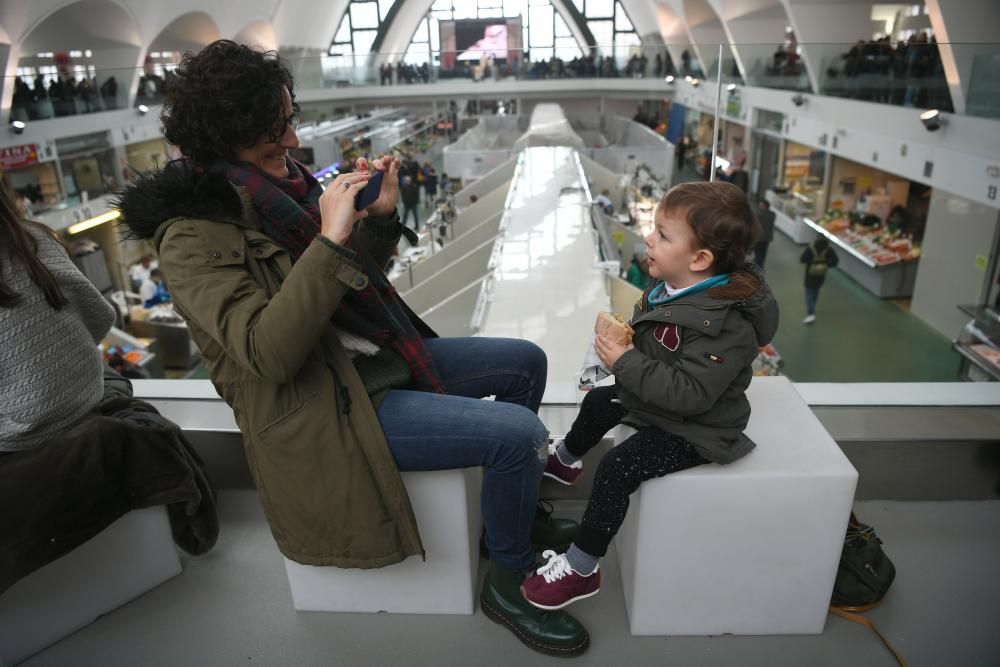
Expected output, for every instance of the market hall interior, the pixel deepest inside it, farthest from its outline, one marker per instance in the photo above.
(538, 162)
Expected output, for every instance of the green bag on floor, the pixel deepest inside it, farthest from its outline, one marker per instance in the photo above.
(865, 572)
(863, 578)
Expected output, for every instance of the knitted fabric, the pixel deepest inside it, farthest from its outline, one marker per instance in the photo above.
(50, 366)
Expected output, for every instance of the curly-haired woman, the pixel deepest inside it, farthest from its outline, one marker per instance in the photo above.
(335, 383)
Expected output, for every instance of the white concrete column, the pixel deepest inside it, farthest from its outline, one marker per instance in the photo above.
(757, 30)
(957, 242)
(9, 53)
(674, 32)
(828, 30)
(707, 33)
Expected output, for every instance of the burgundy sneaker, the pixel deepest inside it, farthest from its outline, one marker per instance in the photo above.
(560, 472)
(556, 584)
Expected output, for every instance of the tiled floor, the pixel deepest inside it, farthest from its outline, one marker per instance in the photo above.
(856, 337)
(232, 607)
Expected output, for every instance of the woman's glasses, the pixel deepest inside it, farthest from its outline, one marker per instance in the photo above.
(292, 121)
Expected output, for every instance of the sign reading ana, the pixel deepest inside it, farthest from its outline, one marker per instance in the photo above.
(13, 157)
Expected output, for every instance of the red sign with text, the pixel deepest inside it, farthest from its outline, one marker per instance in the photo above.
(13, 157)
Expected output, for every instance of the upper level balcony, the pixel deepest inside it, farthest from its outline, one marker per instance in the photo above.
(911, 74)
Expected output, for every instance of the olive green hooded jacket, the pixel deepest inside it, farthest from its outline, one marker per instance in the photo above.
(329, 486)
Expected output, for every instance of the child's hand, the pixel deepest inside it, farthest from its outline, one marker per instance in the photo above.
(609, 351)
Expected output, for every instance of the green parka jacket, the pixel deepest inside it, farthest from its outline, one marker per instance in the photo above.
(691, 365)
(330, 488)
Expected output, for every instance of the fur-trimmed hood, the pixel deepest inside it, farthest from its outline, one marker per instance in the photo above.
(751, 296)
(178, 191)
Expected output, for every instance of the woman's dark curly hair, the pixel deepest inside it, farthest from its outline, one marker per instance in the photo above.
(226, 96)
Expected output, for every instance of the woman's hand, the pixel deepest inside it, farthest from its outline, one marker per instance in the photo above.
(609, 351)
(336, 206)
(388, 195)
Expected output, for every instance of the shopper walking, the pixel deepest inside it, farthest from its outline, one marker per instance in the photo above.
(636, 275)
(153, 290)
(819, 258)
(765, 216)
(430, 186)
(410, 194)
(738, 176)
(109, 93)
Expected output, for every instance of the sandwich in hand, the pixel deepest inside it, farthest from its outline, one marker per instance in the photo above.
(613, 328)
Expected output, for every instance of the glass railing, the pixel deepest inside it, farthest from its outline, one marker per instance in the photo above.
(902, 75)
(348, 70)
(730, 70)
(69, 185)
(775, 66)
(983, 98)
(911, 74)
(56, 96)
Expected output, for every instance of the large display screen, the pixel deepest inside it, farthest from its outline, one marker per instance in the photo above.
(470, 40)
(477, 39)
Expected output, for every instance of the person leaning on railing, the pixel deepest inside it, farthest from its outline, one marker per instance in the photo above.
(335, 383)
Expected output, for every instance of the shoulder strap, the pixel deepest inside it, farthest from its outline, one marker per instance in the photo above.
(861, 620)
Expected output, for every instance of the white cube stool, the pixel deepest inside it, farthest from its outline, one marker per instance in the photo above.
(749, 548)
(131, 556)
(446, 504)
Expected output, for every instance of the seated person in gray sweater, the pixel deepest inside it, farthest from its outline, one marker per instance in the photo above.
(51, 320)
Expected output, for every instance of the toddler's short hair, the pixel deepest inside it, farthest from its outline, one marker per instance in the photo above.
(720, 218)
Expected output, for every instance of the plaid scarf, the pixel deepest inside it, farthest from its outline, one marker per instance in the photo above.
(288, 209)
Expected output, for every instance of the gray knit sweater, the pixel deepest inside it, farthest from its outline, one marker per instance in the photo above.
(51, 371)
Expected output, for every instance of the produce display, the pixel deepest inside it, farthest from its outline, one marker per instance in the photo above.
(642, 211)
(882, 245)
(987, 352)
(641, 199)
(126, 360)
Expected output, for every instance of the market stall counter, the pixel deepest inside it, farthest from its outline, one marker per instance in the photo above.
(979, 344)
(788, 217)
(886, 265)
(177, 347)
(642, 196)
(132, 357)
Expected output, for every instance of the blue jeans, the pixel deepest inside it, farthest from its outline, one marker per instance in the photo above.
(443, 432)
(812, 294)
(407, 210)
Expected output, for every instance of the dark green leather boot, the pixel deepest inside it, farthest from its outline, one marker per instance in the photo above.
(547, 532)
(550, 533)
(554, 633)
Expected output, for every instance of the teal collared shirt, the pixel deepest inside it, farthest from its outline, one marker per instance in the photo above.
(658, 295)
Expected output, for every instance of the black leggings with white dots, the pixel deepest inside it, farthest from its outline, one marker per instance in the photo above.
(647, 454)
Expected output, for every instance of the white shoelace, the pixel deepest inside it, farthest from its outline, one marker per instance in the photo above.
(557, 567)
(553, 449)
